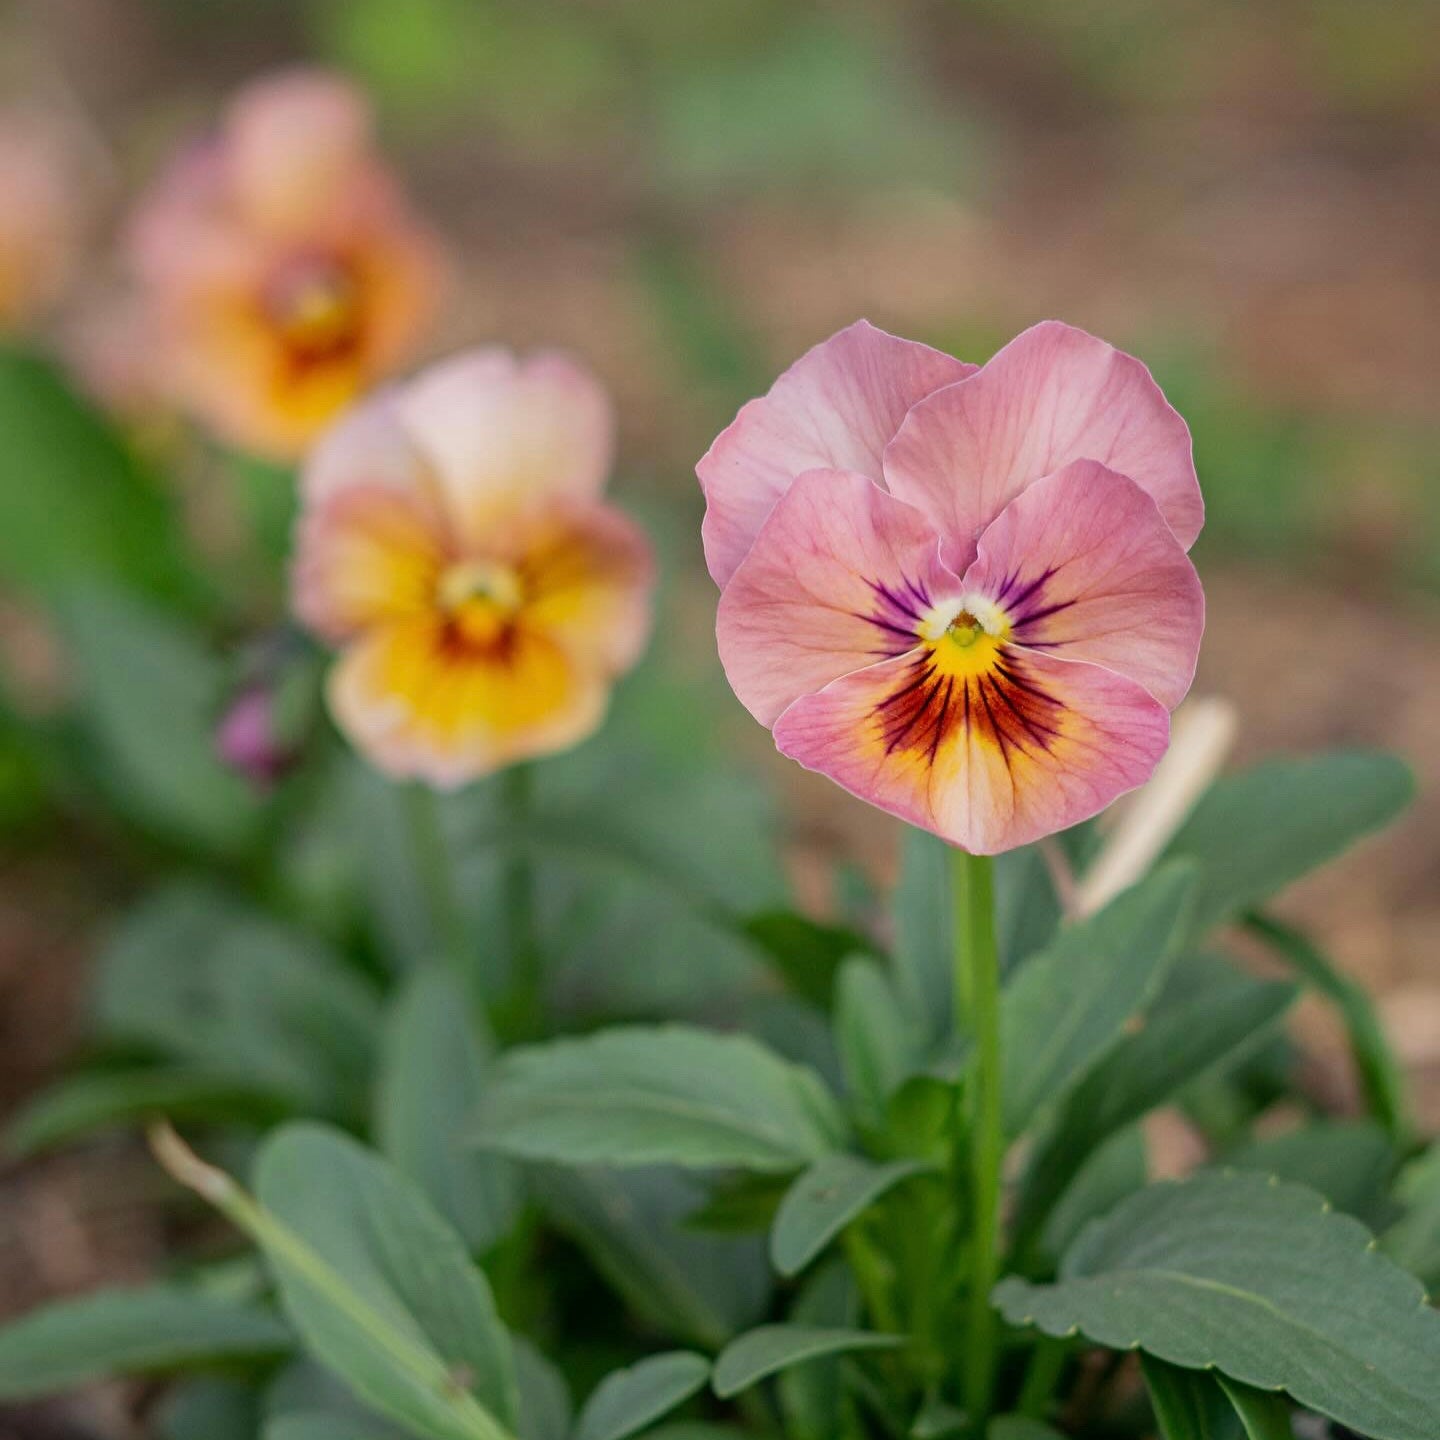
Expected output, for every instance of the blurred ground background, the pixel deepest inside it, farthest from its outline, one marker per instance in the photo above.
(691, 193)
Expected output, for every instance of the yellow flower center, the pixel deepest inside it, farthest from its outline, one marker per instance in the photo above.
(966, 638)
(481, 599)
(315, 305)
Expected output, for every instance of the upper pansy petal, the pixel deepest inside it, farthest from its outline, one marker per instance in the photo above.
(587, 574)
(835, 408)
(367, 445)
(987, 763)
(840, 575)
(1053, 395)
(295, 141)
(419, 708)
(1085, 567)
(504, 433)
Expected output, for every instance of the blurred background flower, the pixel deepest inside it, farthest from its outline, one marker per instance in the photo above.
(453, 543)
(284, 270)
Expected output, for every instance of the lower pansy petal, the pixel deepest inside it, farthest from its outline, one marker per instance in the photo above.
(1085, 567)
(841, 575)
(587, 577)
(421, 706)
(365, 555)
(987, 760)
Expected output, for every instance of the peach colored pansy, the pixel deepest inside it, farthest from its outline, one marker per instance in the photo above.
(453, 543)
(284, 269)
(40, 218)
(961, 593)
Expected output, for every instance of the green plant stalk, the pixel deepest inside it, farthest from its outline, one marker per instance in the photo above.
(1263, 1415)
(1047, 1364)
(435, 872)
(283, 1245)
(977, 982)
(526, 1007)
(1380, 1073)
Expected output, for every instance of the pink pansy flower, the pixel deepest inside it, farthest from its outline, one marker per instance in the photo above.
(283, 268)
(962, 593)
(454, 545)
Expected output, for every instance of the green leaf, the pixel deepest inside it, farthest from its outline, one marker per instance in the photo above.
(814, 1402)
(324, 1425)
(1263, 1416)
(544, 1397)
(108, 1099)
(1020, 1427)
(1210, 1017)
(1256, 831)
(1414, 1240)
(643, 1095)
(148, 694)
(762, 1352)
(924, 930)
(128, 1332)
(1381, 1074)
(628, 1400)
(227, 990)
(1349, 1162)
(878, 1050)
(634, 1226)
(824, 1200)
(1189, 1404)
(1116, 1168)
(806, 953)
(74, 504)
(206, 1407)
(432, 1074)
(381, 1288)
(1069, 1004)
(1262, 1281)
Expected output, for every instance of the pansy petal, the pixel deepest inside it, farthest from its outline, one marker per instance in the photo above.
(365, 554)
(840, 576)
(1085, 567)
(835, 408)
(295, 142)
(587, 575)
(987, 763)
(421, 707)
(504, 434)
(1051, 396)
(370, 446)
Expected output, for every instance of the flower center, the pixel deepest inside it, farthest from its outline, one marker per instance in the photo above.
(966, 637)
(315, 305)
(480, 598)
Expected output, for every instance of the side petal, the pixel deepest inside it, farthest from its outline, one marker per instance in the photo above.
(840, 576)
(836, 407)
(365, 554)
(368, 445)
(1054, 394)
(420, 707)
(986, 763)
(588, 577)
(1085, 567)
(504, 433)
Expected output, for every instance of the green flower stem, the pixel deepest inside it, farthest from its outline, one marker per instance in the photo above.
(526, 1008)
(977, 985)
(435, 872)
(1042, 1375)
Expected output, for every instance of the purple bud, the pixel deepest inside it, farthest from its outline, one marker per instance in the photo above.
(246, 739)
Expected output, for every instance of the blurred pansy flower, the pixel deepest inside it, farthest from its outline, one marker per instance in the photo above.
(962, 593)
(41, 218)
(283, 267)
(453, 543)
